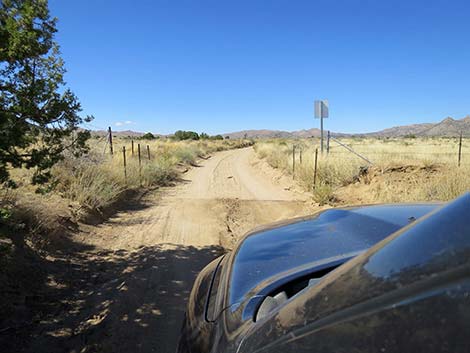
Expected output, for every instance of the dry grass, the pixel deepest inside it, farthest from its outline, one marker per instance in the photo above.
(34, 215)
(411, 169)
(96, 181)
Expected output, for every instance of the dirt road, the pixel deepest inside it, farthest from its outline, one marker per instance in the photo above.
(130, 280)
(214, 204)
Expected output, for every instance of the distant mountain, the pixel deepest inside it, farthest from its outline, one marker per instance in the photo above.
(414, 129)
(450, 127)
(279, 134)
(447, 127)
(258, 134)
(125, 133)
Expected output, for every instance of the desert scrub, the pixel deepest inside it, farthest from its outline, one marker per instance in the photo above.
(323, 194)
(91, 181)
(275, 153)
(331, 171)
(93, 186)
(448, 185)
(97, 180)
(413, 169)
(161, 172)
(187, 154)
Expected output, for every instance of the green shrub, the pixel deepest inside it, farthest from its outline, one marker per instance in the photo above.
(5, 214)
(181, 135)
(323, 194)
(148, 136)
(160, 172)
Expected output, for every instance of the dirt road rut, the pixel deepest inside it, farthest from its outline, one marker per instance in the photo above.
(215, 204)
(131, 281)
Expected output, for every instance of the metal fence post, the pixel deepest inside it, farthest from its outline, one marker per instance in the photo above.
(110, 139)
(460, 148)
(140, 164)
(293, 162)
(125, 165)
(328, 143)
(315, 169)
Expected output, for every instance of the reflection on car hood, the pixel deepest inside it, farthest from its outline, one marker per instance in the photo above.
(328, 234)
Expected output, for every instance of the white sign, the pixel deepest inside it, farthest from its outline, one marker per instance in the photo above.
(321, 109)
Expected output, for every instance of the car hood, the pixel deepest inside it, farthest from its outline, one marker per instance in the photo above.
(333, 234)
(415, 279)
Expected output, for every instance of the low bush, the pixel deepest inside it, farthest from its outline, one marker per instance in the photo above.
(323, 194)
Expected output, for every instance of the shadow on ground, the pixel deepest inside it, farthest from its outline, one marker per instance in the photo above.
(129, 200)
(108, 301)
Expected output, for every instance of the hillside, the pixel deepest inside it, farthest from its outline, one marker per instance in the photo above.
(314, 132)
(414, 129)
(275, 133)
(450, 127)
(447, 127)
(125, 133)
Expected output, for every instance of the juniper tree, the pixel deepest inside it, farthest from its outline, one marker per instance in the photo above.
(38, 115)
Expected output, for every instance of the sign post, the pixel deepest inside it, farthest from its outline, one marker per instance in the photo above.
(321, 111)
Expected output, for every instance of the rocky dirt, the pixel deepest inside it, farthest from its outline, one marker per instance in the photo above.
(121, 286)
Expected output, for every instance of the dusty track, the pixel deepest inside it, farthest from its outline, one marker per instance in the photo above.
(214, 204)
(130, 280)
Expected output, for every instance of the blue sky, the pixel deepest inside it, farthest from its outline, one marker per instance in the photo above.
(221, 66)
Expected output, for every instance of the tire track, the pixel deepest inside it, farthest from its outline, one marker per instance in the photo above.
(147, 258)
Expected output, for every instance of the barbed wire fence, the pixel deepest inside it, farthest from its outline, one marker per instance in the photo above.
(107, 144)
(364, 151)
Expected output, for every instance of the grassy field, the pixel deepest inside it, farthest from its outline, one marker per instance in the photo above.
(402, 169)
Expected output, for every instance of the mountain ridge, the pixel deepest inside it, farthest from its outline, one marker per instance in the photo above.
(448, 127)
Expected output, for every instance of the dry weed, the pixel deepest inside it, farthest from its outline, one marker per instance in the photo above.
(414, 169)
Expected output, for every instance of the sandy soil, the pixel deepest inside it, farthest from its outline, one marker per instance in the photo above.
(214, 204)
(124, 286)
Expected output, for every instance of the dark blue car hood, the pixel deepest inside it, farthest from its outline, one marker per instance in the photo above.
(331, 234)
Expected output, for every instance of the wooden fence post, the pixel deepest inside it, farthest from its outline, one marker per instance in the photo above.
(148, 151)
(293, 162)
(315, 169)
(140, 164)
(132, 147)
(125, 165)
(460, 147)
(110, 139)
(300, 156)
